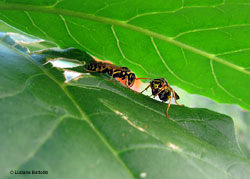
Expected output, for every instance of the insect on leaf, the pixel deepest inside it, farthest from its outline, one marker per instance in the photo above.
(95, 128)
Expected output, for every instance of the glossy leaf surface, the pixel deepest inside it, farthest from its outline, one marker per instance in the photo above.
(200, 46)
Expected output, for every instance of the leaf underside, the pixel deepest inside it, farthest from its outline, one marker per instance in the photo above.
(182, 41)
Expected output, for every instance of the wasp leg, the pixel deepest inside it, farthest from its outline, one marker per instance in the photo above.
(173, 92)
(159, 92)
(169, 103)
(131, 83)
(126, 82)
(145, 88)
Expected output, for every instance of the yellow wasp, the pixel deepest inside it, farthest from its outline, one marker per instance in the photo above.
(162, 89)
(113, 71)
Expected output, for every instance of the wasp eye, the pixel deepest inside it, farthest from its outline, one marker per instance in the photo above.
(156, 85)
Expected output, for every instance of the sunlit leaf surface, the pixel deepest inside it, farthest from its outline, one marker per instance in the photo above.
(200, 46)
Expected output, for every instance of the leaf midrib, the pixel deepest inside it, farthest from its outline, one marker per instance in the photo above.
(83, 116)
(86, 118)
(105, 20)
(166, 147)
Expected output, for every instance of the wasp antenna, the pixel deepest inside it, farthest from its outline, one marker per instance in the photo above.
(144, 78)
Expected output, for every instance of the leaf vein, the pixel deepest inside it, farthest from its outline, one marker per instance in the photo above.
(171, 11)
(22, 88)
(123, 24)
(168, 68)
(208, 29)
(43, 141)
(35, 25)
(138, 103)
(181, 153)
(72, 37)
(221, 87)
(83, 115)
(121, 51)
(233, 51)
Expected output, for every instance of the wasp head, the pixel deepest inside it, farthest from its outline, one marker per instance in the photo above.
(131, 79)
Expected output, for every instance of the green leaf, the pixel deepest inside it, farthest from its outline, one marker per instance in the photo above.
(95, 128)
(6, 28)
(199, 46)
(23, 39)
